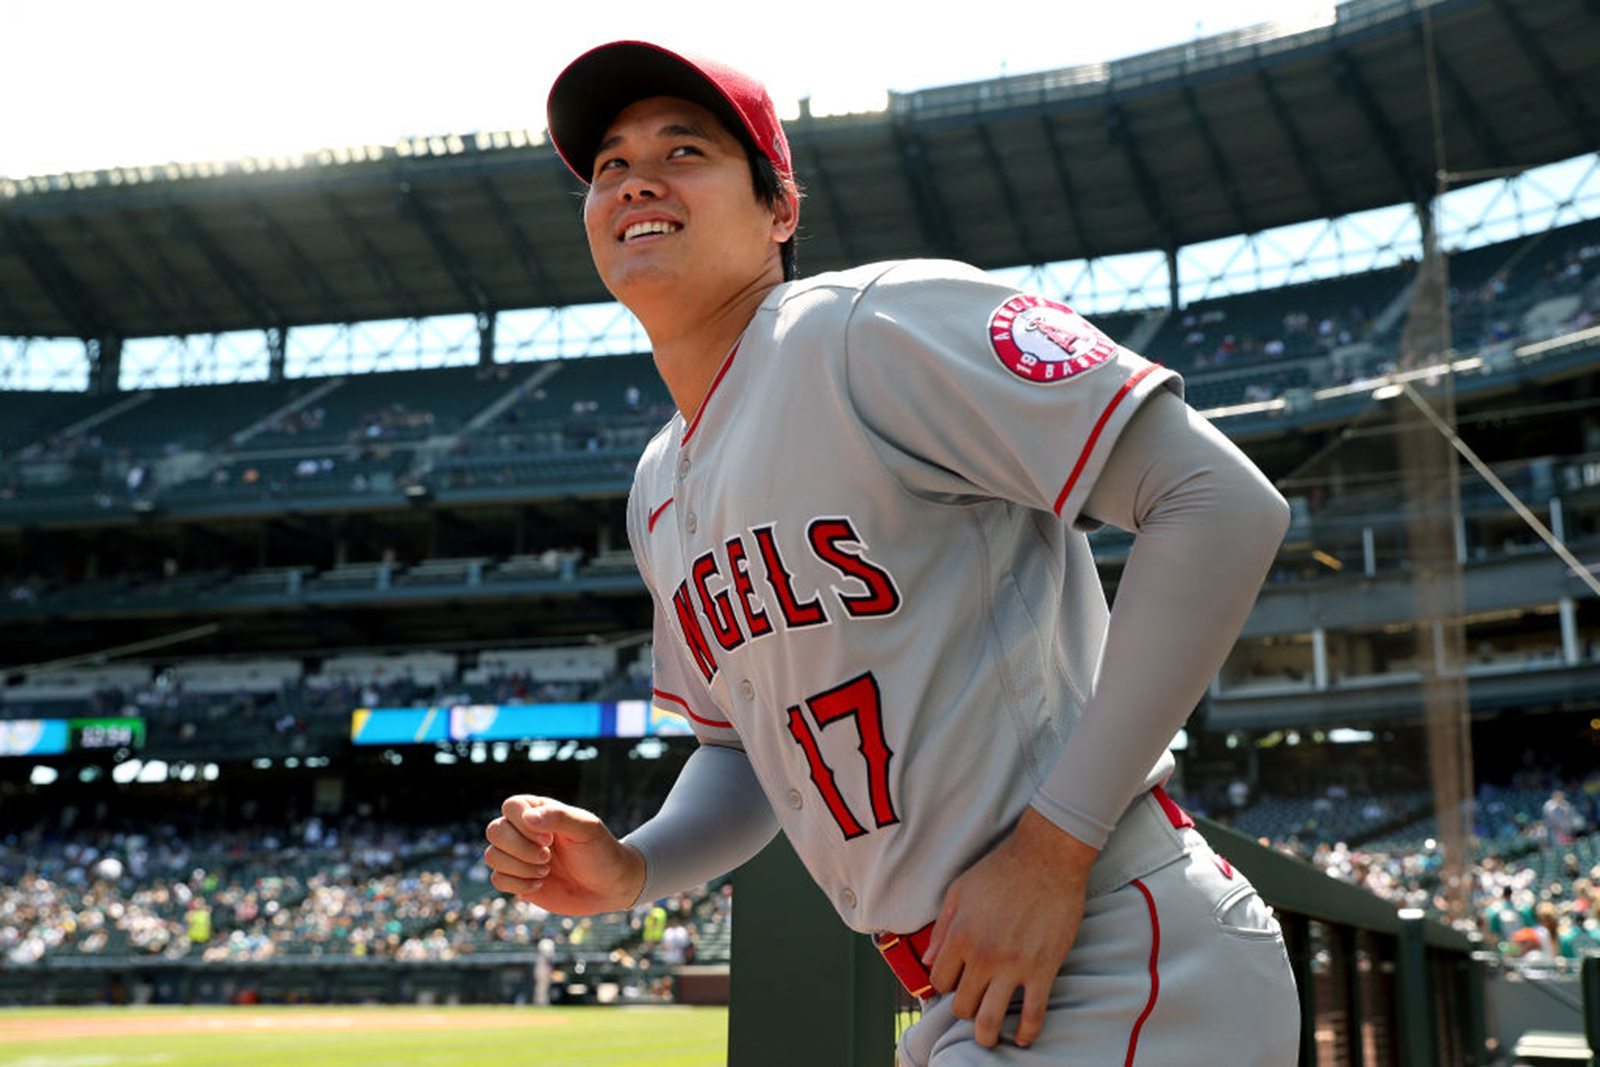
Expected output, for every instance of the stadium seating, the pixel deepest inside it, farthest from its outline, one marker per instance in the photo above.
(29, 419)
(196, 417)
(391, 406)
(1307, 320)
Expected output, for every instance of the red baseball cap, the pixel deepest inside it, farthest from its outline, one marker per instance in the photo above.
(597, 85)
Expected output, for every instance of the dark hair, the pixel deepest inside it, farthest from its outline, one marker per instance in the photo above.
(771, 191)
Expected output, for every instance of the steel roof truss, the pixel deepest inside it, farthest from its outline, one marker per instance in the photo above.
(333, 308)
(240, 284)
(130, 277)
(1347, 76)
(1297, 147)
(1219, 162)
(823, 182)
(377, 266)
(55, 278)
(1069, 196)
(1008, 195)
(13, 323)
(1478, 125)
(521, 247)
(915, 167)
(1121, 134)
(449, 257)
(174, 282)
(1572, 108)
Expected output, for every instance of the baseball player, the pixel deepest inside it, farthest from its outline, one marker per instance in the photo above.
(875, 603)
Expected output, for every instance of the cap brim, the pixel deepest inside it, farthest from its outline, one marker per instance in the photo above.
(599, 84)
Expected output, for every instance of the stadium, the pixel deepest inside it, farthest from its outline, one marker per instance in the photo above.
(313, 480)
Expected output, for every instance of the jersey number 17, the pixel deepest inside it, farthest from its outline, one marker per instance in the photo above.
(856, 699)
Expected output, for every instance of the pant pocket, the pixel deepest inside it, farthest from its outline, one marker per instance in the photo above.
(1242, 913)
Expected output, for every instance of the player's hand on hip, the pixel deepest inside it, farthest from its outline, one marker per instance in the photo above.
(561, 858)
(1007, 924)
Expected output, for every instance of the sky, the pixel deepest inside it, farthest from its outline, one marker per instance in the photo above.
(100, 83)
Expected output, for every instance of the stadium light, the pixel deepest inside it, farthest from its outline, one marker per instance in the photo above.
(42, 775)
(648, 748)
(153, 771)
(123, 773)
(1345, 736)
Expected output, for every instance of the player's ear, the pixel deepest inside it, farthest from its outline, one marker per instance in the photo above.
(785, 211)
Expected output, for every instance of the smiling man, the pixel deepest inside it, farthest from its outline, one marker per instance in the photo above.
(875, 604)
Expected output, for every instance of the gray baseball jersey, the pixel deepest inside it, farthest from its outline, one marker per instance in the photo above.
(869, 567)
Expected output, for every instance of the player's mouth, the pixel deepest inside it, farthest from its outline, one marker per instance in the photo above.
(648, 228)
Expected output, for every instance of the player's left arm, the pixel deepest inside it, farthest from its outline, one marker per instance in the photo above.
(1207, 525)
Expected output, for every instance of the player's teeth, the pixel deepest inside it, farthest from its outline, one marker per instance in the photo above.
(639, 229)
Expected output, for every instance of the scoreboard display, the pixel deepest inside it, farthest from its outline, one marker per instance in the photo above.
(52, 737)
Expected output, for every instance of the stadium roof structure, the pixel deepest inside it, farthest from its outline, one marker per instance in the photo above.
(1230, 135)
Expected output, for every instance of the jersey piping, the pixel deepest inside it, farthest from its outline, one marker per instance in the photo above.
(1094, 434)
(1155, 971)
(656, 514)
(687, 710)
(706, 402)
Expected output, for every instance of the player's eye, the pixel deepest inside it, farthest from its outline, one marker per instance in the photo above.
(684, 150)
(610, 164)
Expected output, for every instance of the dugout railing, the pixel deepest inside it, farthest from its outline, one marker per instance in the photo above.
(1379, 987)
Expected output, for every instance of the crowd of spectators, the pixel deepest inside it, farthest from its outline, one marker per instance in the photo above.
(345, 887)
(1535, 879)
(1210, 342)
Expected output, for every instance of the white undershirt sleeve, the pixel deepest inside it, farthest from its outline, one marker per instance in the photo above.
(1206, 525)
(714, 819)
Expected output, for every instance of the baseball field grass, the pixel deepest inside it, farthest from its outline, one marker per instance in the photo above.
(356, 1036)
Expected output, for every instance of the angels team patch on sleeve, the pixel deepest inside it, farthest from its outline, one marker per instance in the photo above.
(1042, 341)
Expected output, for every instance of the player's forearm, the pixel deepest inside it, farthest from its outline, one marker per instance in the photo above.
(1208, 527)
(715, 818)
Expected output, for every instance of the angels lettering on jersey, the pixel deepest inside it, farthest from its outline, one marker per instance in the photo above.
(720, 600)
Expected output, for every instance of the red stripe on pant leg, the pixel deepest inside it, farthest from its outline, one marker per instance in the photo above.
(1155, 972)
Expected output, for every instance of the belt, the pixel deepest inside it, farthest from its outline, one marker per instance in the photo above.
(903, 952)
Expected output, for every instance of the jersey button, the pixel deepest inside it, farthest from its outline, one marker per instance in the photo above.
(690, 523)
(683, 466)
(848, 898)
(795, 800)
(747, 690)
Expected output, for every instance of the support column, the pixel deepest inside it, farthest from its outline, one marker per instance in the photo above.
(1369, 551)
(105, 364)
(1558, 520)
(1319, 658)
(1571, 652)
(1173, 288)
(486, 321)
(277, 344)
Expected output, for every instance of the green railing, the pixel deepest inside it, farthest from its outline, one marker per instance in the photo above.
(1378, 987)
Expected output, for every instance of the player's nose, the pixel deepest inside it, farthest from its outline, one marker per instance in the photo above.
(639, 185)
